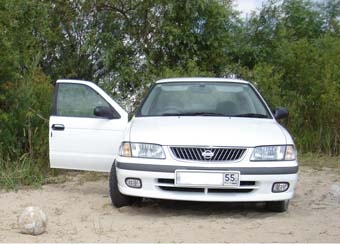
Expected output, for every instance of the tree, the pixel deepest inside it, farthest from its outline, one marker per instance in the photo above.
(24, 91)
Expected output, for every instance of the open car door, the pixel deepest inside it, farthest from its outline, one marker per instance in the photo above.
(86, 127)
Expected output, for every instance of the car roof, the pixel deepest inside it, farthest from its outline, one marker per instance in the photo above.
(201, 79)
(174, 80)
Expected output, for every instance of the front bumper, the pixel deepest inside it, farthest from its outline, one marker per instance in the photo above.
(158, 181)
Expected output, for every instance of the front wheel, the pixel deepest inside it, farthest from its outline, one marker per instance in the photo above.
(278, 206)
(118, 199)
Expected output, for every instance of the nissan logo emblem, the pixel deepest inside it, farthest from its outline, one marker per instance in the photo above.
(207, 154)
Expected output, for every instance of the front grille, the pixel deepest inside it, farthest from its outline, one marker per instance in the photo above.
(207, 153)
(169, 185)
(172, 182)
(229, 190)
(182, 189)
(201, 190)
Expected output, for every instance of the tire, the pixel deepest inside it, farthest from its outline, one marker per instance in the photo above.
(278, 206)
(118, 199)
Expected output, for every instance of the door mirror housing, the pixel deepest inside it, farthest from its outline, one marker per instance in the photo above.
(281, 113)
(105, 112)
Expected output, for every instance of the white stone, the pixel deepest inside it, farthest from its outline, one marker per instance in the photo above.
(335, 190)
(32, 220)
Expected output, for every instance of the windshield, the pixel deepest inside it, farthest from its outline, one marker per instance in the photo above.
(203, 99)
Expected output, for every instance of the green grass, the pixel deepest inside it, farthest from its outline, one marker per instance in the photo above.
(319, 161)
(23, 172)
(59, 176)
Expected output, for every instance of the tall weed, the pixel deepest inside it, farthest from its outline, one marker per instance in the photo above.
(22, 172)
(25, 106)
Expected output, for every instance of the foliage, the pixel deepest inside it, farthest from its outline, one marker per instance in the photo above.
(294, 52)
(24, 128)
(290, 49)
(21, 172)
(25, 92)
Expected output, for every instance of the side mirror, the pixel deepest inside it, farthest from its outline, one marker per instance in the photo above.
(281, 113)
(102, 111)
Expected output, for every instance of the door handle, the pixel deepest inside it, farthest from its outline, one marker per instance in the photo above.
(58, 127)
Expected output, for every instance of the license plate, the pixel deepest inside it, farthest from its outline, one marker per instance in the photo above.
(232, 179)
(203, 178)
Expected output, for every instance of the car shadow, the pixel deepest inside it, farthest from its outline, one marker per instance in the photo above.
(156, 207)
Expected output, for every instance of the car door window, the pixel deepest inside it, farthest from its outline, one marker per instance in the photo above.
(78, 100)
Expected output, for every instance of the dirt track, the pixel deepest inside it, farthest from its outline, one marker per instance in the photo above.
(80, 211)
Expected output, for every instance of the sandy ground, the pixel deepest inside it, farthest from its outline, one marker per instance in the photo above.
(80, 210)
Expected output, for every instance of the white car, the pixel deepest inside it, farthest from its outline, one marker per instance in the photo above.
(192, 139)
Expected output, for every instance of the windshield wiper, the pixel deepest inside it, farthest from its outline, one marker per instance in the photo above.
(193, 114)
(251, 115)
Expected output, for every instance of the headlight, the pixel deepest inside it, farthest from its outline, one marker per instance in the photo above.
(141, 150)
(273, 153)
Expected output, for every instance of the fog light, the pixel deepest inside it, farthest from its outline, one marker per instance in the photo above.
(133, 182)
(280, 187)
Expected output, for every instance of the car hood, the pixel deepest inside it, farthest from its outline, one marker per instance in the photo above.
(207, 131)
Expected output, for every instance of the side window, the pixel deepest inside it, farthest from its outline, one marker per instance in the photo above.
(78, 100)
